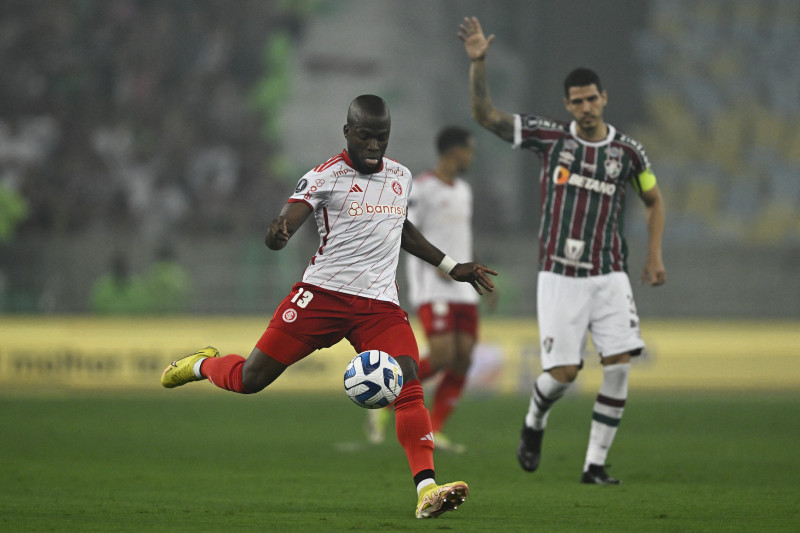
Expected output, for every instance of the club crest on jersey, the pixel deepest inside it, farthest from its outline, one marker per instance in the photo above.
(613, 168)
(548, 344)
(290, 315)
(301, 185)
(397, 188)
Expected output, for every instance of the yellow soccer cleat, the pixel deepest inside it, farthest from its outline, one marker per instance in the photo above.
(181, 371)
(437, 499)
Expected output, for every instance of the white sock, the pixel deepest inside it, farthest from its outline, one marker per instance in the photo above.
(546, 390)
(424, 483)
(196, 368)
(608, 408)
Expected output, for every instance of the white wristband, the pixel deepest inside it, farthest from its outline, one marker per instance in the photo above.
(447, 264)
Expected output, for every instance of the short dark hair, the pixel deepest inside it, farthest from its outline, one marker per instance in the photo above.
(581, 77)
(369, 104)
(452, 136)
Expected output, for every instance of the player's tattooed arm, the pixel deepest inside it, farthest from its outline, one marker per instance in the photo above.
(476, 45)
(285, 224)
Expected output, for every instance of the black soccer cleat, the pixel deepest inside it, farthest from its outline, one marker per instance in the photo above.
(529, 450)
(596, 475)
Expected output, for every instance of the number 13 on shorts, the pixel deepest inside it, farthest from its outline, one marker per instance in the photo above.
(302, 298)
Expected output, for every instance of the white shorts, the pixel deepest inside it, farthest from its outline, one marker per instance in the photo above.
(568, 308)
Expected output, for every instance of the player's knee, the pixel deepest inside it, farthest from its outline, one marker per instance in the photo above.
(616, 359)
(408, 366)
(462, 363)
(260, 370)
(565, 374)
(442, 351)
(253, 380)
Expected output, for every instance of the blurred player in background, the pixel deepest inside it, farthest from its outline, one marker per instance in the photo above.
(583, 283)
(359, 200)
(440, 205)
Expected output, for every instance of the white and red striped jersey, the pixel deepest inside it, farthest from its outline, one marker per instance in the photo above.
(443, 213)
(360, 224)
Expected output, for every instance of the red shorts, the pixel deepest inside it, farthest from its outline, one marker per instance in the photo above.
(444, 317)
(311, 318)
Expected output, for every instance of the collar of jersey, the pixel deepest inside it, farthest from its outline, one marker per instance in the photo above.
(612, 131)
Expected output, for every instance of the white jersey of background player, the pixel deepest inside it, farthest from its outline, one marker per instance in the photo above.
(444, 213)
(441, 203)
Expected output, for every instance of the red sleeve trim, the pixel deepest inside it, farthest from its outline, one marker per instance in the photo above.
(293, 200)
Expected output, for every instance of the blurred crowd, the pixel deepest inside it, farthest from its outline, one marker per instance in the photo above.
(134, 113)
(722, 85)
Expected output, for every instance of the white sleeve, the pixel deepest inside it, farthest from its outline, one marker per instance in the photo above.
(517, 131)
(313, 189)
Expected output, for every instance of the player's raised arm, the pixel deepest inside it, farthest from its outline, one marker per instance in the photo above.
(473, 273)
(285, 224)
(476, 45)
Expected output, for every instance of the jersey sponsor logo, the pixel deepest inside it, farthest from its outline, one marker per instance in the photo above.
(356, 209)
(573, 250)
(356, 188)
(342, 172)
(397, 188)
(562, 176)
(318, 183)
(290, 315)
(396, 171)
(301, 185)
(566, 158)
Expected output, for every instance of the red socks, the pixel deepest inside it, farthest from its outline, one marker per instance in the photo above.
(448, 394)
(225, 372)
(413, 425)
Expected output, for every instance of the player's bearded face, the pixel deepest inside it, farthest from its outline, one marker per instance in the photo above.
(586, 105)
(367, 140)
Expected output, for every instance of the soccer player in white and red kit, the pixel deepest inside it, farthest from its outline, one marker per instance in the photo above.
(359, 199)
(441, 206)
(582, 283)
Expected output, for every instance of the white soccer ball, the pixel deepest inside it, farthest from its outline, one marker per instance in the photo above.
(373, 379)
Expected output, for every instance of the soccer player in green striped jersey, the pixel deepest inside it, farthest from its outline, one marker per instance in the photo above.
(582, 285)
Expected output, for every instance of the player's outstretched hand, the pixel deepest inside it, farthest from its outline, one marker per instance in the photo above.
(278, 234)
(474, 274)
(475, 43)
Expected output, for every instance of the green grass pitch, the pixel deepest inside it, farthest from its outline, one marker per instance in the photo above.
(197, 459)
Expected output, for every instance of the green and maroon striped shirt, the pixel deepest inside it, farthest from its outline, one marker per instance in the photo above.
(582, 193)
